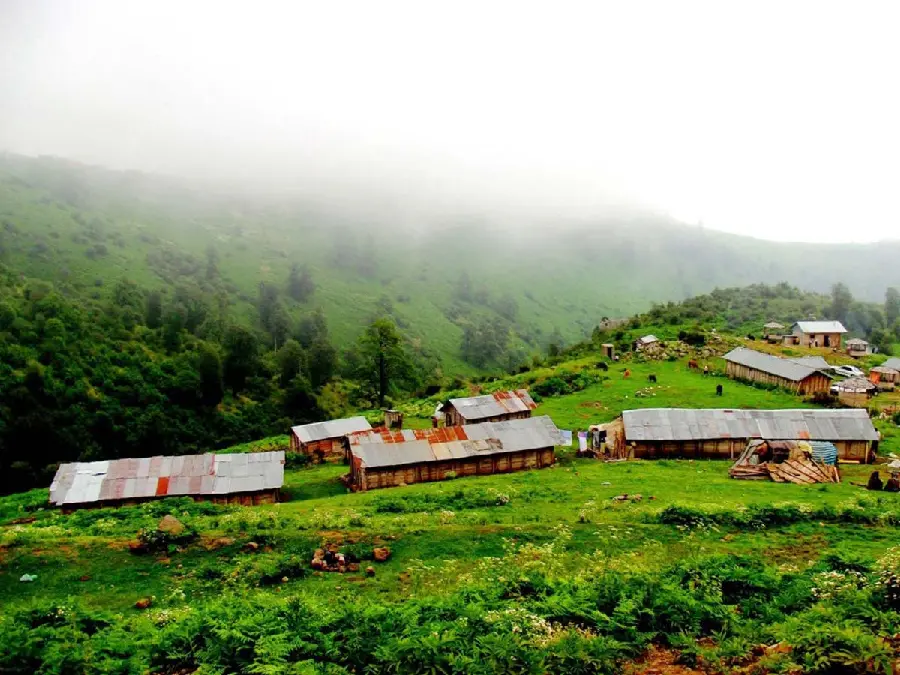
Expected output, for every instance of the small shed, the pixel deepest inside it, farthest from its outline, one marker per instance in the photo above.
(393, 419)
(819, 333)
(379, 460)
(884, 378)
(323, 440)
(501, 405)
(855, 391)
(239, 478)
(608, 350)
(857, 347)
(754, 366)
(773, 331)
(645, 342)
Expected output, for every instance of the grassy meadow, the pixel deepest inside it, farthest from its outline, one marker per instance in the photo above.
(531, 572)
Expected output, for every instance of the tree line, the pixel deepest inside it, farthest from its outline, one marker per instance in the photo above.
(143, 373)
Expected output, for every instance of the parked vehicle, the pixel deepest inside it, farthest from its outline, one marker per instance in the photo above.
(848, 371)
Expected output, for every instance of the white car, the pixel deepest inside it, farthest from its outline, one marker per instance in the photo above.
(848, 371)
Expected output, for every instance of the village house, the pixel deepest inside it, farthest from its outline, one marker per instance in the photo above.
(857, 347)
(818, 333)
(773, 331)
(238, 478)
(654, 433)
(750, 365)
(386, 459)
(323, 440)
(501, 405)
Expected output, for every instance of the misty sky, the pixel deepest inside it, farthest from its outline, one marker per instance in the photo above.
(780, 120)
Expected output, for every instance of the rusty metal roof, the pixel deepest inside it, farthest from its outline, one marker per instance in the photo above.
(788, 369)
(483, 439)
(683, 424)
(141, 478)
(433, 435)
(856, 341)
(319, 431)
(820, 327)
(493, 405)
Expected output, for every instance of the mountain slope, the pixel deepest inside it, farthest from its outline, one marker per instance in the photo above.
(89, 227)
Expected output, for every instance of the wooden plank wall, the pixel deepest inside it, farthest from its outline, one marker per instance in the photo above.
(816, 382)
(373, 478)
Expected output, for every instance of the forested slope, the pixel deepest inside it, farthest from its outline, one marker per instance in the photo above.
(472, 291)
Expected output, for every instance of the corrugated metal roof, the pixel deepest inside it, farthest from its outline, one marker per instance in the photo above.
(811, 361)
(820, 327)
(893, 363)
(86, 482)
(856, 341)
(883, 370)
(773, 324)
(493, 405)
(854, 385)
(319, 431)
(767, 363)
(648, 339)
(484, 439)
(433, 435)
(686, 424)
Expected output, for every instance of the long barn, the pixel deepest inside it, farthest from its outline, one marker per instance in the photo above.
(723, 434)
(800, 376)
(385, 459)
(240, 478)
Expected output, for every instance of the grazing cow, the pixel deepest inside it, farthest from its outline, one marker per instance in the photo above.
(693, 365)
(602, 366)
(718, 390)
(751, 337)
(627, 373)
(652, 378)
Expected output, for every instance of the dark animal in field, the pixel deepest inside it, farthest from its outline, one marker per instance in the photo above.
(718, 390)
(602, 366)
(893, 485)
(874, 482)
(627, 373)
(751, 337)
(652, 378)
(693, 365)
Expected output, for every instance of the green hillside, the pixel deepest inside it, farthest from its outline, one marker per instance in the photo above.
(543, 281)
(531, 572)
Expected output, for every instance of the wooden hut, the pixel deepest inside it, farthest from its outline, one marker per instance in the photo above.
(501, 405)
(773, 331)
(858, 348)
(818, 333)
(379, 460)
(323, 440)
(754, 366)
(239, 478)
(855, 391)
(886, 376)
(655, 433)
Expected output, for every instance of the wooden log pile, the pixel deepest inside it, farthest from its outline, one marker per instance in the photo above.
(800, 471)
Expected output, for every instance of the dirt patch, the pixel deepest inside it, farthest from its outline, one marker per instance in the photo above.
(596, 405)
(659, 661)
(804, 548)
